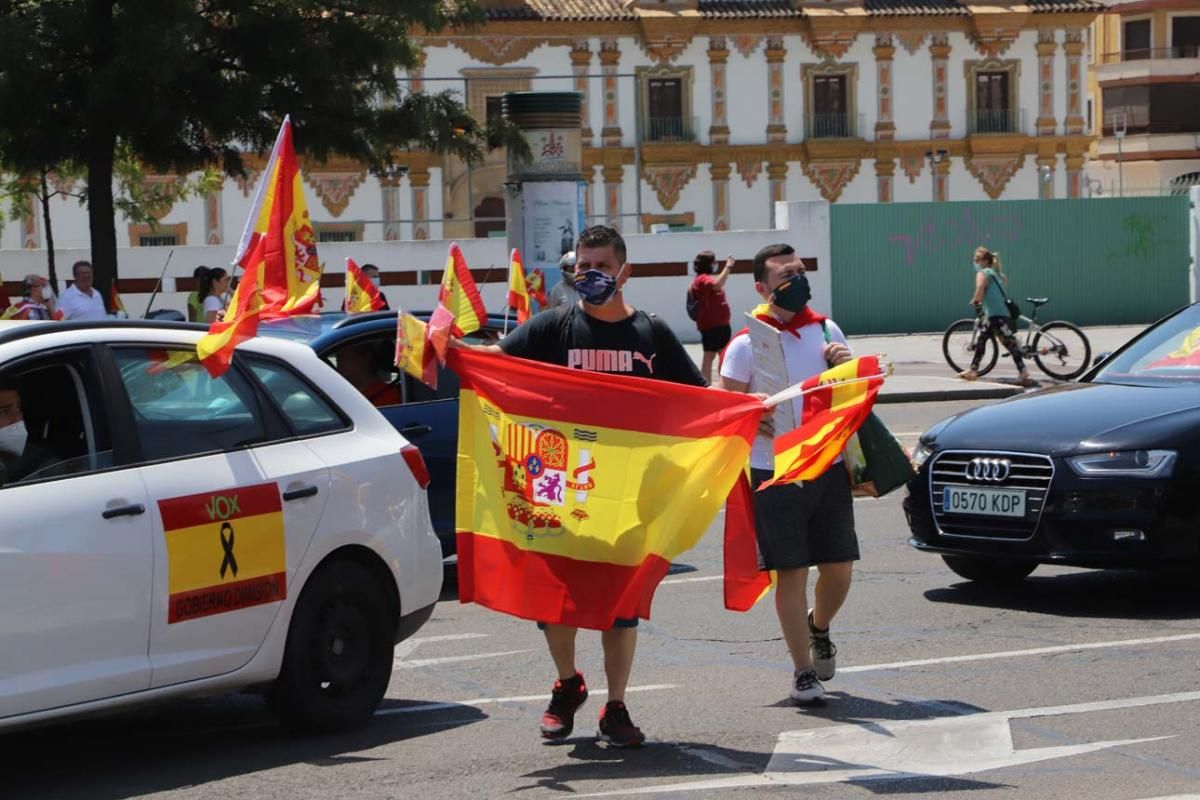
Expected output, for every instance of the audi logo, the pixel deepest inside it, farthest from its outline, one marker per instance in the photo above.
(988, 470)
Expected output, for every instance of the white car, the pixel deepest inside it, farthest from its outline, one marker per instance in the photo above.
(166, 534)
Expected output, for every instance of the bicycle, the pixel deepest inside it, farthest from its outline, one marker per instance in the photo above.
(1059, 348)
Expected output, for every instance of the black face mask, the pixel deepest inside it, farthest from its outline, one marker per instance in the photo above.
(794, 295)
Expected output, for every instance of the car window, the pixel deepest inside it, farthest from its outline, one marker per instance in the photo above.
(180, 410)
(302, 406)
(1167, 354)
(52, 424)
(367, 364)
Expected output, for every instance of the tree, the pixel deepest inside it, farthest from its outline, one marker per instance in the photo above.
(189, 84)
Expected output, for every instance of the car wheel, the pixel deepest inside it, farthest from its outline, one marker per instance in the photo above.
(995, 572)
(338, 658)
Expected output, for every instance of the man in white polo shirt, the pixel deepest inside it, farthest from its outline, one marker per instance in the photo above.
(81, 300)
(798, 526)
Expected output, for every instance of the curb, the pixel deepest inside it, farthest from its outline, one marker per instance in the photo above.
(941, 395)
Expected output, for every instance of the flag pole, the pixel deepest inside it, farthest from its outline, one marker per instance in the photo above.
(798, 390)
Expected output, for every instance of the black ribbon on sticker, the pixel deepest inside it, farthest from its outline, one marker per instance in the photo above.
(229, 562)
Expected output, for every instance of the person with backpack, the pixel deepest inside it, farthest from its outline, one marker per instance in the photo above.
(991, 303)
(707, 306)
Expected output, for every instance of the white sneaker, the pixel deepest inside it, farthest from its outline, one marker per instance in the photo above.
(823, 652)
(806, 689)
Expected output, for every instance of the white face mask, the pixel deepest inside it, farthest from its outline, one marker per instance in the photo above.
(12, 438)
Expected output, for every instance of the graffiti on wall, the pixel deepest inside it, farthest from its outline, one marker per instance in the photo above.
(964, 231)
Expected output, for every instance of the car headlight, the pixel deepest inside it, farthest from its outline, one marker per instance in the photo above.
(1125, 464)
(921, 454)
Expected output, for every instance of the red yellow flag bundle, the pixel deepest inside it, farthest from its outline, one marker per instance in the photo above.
(278, 256)
(518, 292)
(361, 294)
(114, 299)
(460, 309)
(577, 489)
(836, 402)
(413, 353)
(1187, 354)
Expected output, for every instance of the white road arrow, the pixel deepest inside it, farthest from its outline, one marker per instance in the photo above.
(943, 747)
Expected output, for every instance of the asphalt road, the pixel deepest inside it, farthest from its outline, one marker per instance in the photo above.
(1076, 684)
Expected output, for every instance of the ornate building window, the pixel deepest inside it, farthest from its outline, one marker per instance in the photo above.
(992, 98)
(830, 101)
(158, 235)
(665, 104)
(1136, 40)
(339, 231)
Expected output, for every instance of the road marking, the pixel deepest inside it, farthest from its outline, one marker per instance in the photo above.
(401, 660)
(692, 580)
(891, 749)
(488, 701)
(1036, 651)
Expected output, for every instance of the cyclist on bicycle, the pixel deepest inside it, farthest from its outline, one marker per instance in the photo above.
(989, 302)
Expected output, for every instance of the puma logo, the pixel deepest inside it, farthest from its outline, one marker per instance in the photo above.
(649, 362)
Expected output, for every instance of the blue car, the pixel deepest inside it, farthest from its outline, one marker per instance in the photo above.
(427, 418)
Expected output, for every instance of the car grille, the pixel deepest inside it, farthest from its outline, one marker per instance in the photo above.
(1030, 472)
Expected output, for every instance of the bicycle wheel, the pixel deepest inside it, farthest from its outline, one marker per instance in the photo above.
(958, 346)
(1061, 350)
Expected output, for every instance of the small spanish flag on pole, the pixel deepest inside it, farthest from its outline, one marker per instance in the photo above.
(413, 353)
(460, 309)
(518, 293)
(361, 294)
(114, 300)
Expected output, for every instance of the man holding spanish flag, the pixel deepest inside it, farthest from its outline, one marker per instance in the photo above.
(601, 333)
(797, 526)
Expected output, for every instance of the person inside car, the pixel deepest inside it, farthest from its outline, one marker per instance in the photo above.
(18, 458)
(363, 366)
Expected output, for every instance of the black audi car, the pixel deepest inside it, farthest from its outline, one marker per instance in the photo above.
(1100, 473)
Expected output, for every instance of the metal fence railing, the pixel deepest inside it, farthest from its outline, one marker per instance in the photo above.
(1008, 120)
(1145, 54)
(841, 125)
(669, 129)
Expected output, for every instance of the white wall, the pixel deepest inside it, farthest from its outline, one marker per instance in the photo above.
(809, 234)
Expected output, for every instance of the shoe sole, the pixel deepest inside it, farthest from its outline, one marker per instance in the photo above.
(613, 743)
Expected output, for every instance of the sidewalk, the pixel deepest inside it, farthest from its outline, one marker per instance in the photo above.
(922, 374)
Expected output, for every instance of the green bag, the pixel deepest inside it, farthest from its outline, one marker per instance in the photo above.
(876, 461)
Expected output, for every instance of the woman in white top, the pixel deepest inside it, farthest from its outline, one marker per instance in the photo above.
(214, 285)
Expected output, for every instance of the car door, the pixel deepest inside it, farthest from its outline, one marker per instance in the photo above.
(428, 418)
(76, 554)
(236, 500)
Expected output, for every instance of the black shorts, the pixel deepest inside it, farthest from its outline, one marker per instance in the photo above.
(804, 525)
(713, 340)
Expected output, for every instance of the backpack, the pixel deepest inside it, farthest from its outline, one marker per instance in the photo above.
(693, 305)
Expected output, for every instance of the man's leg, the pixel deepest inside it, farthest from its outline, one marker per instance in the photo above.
(791, 604)
(561, 640)
(569, 691)
(616, 727)
(706, 365)
(619, 645)
(833, 584)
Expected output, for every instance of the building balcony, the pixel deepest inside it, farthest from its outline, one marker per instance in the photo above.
(833, 126)
(1132, 65)
(1008, 120)
(669, 129)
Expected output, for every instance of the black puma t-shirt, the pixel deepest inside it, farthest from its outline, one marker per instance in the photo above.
(640, 345)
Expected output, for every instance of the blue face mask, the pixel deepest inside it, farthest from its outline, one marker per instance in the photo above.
(595, 287)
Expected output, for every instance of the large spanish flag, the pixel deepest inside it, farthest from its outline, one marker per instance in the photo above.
(836, 402)
(361, 294)
(225, 551)
(518, 293)
(577, 489)
(278, 256)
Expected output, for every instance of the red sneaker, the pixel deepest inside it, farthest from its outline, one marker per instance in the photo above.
(617, 728)
(565, 699)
